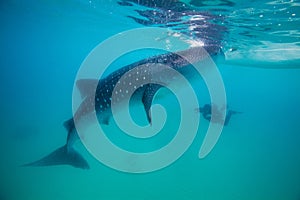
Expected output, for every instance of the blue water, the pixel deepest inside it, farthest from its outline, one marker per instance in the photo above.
(43, 44)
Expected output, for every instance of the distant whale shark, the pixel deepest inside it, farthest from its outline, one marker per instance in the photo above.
(101, 100)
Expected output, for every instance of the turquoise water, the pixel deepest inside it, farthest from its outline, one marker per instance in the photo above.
(43, 44)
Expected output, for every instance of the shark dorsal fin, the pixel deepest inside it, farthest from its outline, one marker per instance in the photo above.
(86, 86)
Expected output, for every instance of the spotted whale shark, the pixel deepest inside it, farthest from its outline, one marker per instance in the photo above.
(100, 101)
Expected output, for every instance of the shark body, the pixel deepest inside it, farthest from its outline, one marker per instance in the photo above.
(100, 101)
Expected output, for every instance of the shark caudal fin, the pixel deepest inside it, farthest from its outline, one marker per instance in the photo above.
(62, 156)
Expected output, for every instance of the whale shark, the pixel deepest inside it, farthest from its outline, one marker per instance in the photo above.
(100, 101)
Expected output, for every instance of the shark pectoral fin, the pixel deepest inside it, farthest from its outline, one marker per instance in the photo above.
(147, 98)
(87, 86)
(105, 120)
(62, 156)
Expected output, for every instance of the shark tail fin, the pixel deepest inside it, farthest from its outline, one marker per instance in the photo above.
(62, 156)
(69, 125)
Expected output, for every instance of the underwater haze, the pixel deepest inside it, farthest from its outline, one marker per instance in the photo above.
(256, 50)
